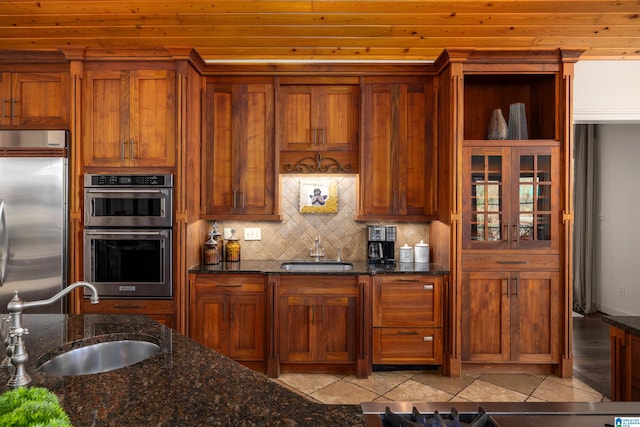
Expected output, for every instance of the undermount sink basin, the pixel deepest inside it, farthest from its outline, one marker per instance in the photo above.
(100, 357)
(316, 266)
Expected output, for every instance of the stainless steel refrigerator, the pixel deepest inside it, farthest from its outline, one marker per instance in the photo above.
(33, 216)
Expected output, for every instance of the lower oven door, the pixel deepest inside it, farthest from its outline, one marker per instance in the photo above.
(129, 263)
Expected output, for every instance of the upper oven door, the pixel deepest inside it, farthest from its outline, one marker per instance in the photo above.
(128, 207)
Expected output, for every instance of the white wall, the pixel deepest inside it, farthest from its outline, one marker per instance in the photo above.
(606, 91)
(619, 245)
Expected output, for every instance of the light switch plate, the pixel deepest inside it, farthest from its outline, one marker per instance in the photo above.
(252, 234)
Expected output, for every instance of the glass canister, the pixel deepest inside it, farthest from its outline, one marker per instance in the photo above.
(219, 240)
(232, 248)
(211, 252)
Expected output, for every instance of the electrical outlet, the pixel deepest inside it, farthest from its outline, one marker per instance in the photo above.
(622, 291)
(252, 233)
(226, 233)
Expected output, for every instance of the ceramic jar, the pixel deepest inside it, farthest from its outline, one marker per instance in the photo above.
(406, 253)
(421, 252)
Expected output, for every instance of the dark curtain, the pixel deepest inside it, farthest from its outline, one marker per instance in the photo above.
(586, 218)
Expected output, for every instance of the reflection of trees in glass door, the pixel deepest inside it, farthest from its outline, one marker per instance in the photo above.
(510, 197)
(485, 197)
(534, 195)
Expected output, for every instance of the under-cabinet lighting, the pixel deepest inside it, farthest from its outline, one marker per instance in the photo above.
(318, 61)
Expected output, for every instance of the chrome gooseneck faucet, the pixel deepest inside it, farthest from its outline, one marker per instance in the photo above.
(318, 251)
(16, 350)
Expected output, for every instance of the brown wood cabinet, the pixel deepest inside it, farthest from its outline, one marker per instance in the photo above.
(34, 99)
(319, 117)
(162, 311)
(318, 320)
(239, 176)
(129, 115)
(227, 314)
(398, 161)
(407, 319)
(318, 126)
(507, 208)
(625, 365)
(511, 316)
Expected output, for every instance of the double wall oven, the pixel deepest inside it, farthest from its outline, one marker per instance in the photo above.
(128, 244)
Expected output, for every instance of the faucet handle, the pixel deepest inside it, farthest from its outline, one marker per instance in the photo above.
(339, 259)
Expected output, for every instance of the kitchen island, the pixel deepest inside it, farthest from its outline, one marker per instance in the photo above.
(624, 332)
(186, 384)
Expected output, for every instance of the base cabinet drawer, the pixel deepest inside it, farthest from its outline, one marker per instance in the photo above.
(407, 346)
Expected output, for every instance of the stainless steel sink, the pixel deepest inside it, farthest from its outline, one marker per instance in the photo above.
(316, 266)
(99, 357)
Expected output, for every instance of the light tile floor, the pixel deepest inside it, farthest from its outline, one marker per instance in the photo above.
(431, 386)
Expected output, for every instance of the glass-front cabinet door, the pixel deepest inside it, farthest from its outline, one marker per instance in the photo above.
(510, 197)
(536, 211)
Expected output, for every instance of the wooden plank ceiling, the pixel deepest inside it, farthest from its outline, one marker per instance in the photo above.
(328, 30)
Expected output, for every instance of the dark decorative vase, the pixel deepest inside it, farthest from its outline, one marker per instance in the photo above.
(497, 125)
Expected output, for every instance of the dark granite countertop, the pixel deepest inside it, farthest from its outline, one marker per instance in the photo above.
(630, 324)
(186, 384)
(359, 267)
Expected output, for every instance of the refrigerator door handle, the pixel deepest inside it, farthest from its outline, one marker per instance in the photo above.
(4, 244)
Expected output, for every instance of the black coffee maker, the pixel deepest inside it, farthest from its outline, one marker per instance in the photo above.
(381, 244)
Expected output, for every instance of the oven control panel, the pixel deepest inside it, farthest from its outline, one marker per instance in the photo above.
(161, 180)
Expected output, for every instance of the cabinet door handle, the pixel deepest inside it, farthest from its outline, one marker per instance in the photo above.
(234, 200)
(511, 262)
(407, 333)
(228, 286)
(428, 287)
(243, 200)
(322, 130)
(505, 283)
(427, 339)
(515, 280)
(4, 112)
(313, 314)
(315, 136)
(132, 149)
(516, 233)
(122, 150)
(13, 108)
(233, 312)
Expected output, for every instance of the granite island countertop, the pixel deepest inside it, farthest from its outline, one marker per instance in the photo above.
(186, 384)
(629, 324)
(359, 267)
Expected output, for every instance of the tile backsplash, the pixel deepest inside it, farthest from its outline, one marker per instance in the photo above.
(293, 237)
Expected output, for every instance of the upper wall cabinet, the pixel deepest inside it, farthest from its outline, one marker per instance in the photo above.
(398, 158)
(34, 100)
(322, 119)
(129, 115)
(238, 154)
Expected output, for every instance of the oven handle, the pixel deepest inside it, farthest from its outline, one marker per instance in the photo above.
(130, 232)
(122, 190)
